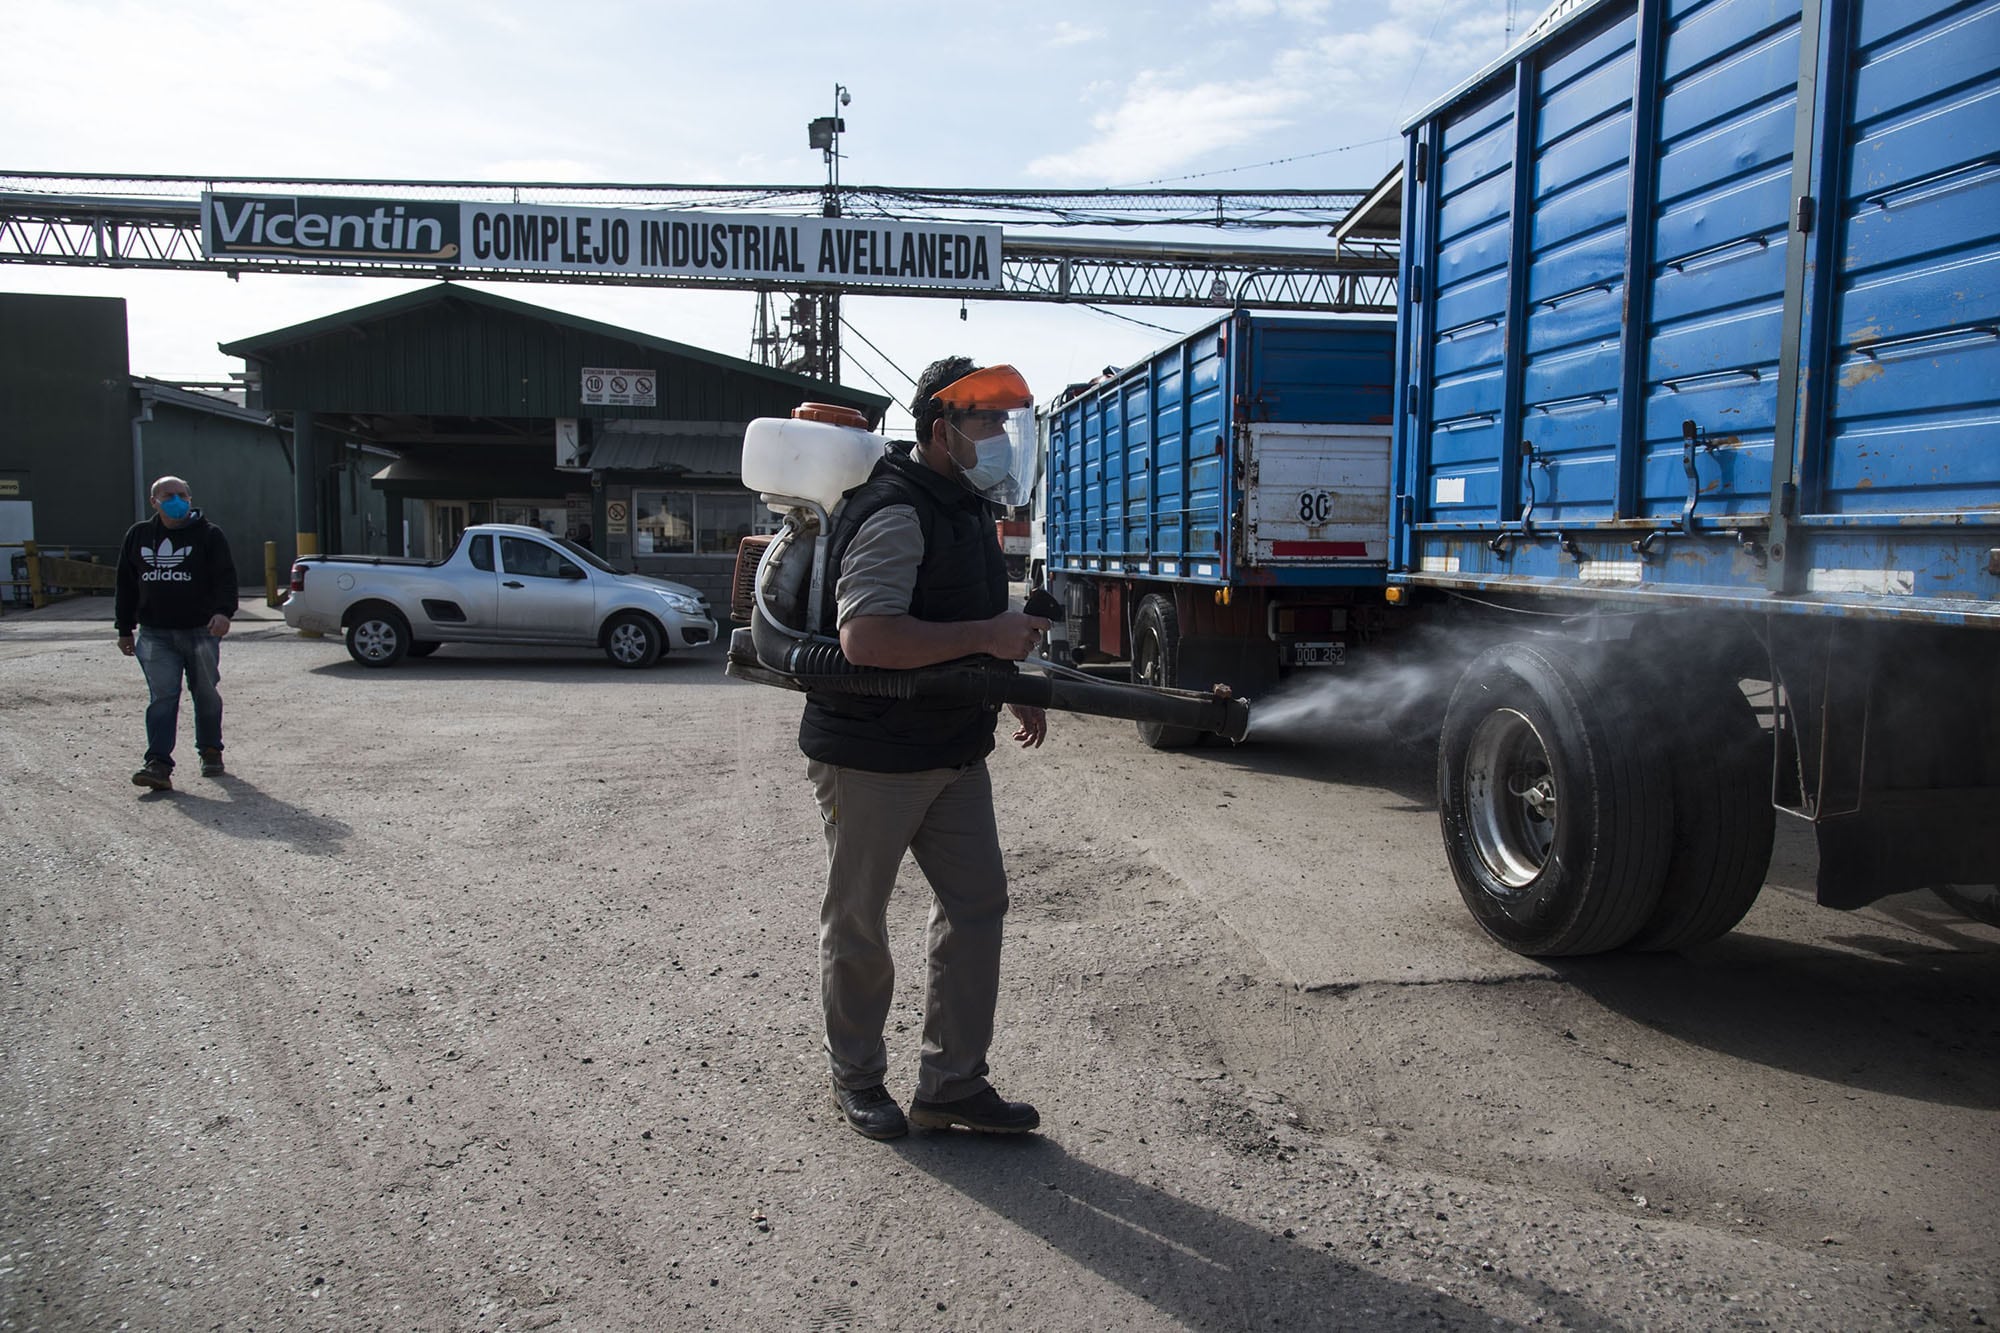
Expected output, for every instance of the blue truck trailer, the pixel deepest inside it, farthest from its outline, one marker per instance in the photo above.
(1220, 511)
(1696, 408)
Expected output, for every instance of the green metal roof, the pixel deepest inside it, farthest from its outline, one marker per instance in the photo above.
(451, 349)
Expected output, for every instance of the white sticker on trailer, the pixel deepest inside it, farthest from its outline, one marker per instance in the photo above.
(1437, 564)
(1879, 582)
(1448, 491)
(1611, 571)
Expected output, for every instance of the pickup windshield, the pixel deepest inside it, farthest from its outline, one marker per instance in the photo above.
(585, 554)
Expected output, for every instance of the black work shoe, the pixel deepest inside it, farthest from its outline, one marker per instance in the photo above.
(871, 1111)
(984, 1112)
(156, 774)
(211, 763)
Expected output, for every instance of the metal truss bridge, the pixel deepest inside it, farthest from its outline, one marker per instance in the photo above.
(154, 222)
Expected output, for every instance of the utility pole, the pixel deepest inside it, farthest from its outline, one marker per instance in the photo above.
(810, 343)
(822, 311)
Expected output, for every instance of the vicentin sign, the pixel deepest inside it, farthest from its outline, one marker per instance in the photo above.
(783, 251)
(303, 227)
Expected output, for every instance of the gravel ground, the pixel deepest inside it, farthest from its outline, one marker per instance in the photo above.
(481, 994)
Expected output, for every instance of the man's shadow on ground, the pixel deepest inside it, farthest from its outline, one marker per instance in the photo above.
(1202, 1268)
(243, 810)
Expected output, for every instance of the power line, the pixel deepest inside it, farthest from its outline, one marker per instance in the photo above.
(1247, 208)
(887, 392)
(1130, 320)
(1422, 52)
(878, 351)
(1274, 162)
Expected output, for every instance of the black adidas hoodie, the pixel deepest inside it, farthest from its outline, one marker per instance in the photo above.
(173, 578)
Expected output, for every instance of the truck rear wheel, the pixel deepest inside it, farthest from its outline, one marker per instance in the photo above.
(1720, 767)
(1156, 638)
(377, 635)
(1556, 811)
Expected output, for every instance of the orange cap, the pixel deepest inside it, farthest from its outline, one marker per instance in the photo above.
(994, 389)
(832, 414)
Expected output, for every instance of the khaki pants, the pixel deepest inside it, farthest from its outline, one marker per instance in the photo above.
(944, 817)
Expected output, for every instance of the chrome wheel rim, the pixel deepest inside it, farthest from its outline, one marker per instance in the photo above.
(1510, 798)
(374, 639)
(628, 642)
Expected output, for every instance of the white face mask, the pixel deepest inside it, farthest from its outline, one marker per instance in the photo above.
(995, 455)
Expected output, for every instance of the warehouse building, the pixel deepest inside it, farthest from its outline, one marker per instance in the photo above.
(499, 411)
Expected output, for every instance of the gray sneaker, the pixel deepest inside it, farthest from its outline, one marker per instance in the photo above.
(211, 764)
(156, 774)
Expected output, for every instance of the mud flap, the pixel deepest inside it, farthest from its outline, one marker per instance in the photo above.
(1247, 666)
(1901, 841)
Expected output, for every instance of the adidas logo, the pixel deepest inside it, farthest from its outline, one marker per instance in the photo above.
(166, 562)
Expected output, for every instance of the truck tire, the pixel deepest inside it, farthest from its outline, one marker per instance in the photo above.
(1556, 811)
(377, 635)
(424, 647)
(633, 641)
(1156, 638)
(1720, 768)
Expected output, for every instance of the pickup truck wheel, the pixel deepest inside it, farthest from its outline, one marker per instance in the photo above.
(1156, 639)
(1720, 766)
(377, 635)
(1557, 813)
(424, 647)
(633, 641)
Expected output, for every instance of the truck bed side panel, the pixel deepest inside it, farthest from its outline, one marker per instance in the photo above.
(1147, 472)
(1913, 395)
(1669, 331)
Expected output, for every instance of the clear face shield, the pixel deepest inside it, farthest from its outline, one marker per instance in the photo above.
(992, 434)
(996, 454)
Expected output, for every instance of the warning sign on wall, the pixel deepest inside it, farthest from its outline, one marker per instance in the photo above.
(614, 518)
(620, 388)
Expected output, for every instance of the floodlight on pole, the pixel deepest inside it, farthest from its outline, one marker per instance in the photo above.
(823, 132)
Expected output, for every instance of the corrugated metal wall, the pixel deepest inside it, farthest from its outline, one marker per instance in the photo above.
(65, 417)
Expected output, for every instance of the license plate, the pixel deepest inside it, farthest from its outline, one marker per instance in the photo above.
(1319, 654)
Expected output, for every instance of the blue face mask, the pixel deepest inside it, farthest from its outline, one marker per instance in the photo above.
(995, 454)
(176, 507)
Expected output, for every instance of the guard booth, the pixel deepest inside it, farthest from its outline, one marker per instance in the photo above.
(487, 409)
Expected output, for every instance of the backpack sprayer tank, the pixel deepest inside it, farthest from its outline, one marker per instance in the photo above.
(803, 469)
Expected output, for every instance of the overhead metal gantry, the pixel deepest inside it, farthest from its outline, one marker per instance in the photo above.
(155, 223)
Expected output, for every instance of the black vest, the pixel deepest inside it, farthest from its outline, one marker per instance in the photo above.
(963, 577)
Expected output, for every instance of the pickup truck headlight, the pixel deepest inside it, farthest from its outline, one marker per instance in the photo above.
(681, 602)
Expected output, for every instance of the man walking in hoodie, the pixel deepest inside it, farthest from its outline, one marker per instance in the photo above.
(177, 586)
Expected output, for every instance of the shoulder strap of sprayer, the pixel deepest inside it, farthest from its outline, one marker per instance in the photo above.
(885, 486)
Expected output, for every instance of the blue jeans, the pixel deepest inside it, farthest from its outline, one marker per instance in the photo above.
(167, 655)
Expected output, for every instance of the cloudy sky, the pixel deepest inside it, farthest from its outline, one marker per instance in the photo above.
(1239, 93)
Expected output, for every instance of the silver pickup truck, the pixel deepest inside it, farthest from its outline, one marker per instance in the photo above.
(503, 584)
